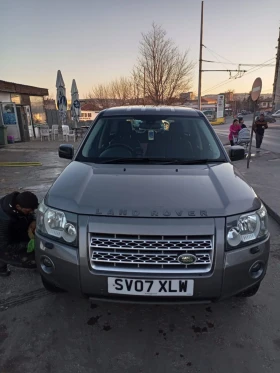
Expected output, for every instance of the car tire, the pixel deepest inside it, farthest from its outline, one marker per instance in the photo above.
(249, 292)
(51, 287)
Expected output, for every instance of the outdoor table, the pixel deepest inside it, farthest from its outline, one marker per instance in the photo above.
(80, 132)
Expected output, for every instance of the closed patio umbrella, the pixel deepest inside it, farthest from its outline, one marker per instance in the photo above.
(75, 104)
(61, 100)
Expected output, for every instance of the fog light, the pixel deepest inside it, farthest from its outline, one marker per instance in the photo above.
(47, 264)
(256, 270)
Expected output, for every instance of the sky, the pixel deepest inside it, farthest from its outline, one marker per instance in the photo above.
(97, 41)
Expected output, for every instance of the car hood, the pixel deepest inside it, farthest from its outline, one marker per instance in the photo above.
(215, 190)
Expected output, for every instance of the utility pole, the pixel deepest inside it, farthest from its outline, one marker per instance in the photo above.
(200, 58)
(277, 66)
(144, 93)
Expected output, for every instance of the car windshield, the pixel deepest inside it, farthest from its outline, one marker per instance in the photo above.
(151, 139)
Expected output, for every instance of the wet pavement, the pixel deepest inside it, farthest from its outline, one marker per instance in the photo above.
(37, 179)
(42, 333)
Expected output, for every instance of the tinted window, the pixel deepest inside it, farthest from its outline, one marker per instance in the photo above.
(153, 137)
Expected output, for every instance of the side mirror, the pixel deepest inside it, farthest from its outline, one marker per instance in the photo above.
(66, 151)
(236, 153)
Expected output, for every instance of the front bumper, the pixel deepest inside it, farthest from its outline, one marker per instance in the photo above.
(230, 274)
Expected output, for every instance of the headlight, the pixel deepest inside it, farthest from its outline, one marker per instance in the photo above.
(57, 224)
(247, 228)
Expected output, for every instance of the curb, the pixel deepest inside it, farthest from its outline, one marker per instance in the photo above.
(272, 212)
(217, 124)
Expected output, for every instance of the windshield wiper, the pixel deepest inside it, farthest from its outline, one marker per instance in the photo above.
(164, 161)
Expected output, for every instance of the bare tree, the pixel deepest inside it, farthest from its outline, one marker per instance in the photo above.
(122, 90)
(117, 92)
(162, 71)
(100, 96)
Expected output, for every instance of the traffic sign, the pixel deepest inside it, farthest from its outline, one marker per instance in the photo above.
(255, 94)
(256, 89)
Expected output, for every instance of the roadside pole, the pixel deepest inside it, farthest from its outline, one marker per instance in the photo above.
(251, 137)
(200, 58)
(144, 88)
(255, 94)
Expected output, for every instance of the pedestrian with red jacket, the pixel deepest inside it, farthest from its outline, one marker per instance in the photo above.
(233, 131)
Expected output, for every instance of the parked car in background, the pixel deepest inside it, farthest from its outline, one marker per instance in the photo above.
(268, 118)
(155, 213)
(276, 114)
(210, 115)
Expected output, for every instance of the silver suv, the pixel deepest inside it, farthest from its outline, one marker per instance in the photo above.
(151, 209)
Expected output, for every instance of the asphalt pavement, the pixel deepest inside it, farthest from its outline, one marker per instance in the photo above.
(43, 333)
(271, 139)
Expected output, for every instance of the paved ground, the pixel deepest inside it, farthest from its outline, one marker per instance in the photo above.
(263, 175)
(37, 179)
(42, 333)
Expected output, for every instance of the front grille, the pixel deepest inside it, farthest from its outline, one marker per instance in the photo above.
(149, 253)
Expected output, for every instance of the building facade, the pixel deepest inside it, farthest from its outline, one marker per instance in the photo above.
(88, 113)
(21, 107)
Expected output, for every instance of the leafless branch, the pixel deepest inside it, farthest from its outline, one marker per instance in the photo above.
(168, 72)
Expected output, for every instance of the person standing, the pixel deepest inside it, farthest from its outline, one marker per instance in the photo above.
(241, 123)
(16, 224)
(260, 126)
(233, 131)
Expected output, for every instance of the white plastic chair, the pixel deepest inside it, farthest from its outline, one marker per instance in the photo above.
(54, 131)
(45, 132)
(31, 134)
(67, 133)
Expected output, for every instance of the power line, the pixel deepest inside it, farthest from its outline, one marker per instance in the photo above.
(217, 58)
(260, 67)
(248, 72)
(218, 55)
(254, 64)
(239, 64)
(262, 64)
(224, 63)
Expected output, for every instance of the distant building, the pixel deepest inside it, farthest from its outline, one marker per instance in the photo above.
(265, 104)
(21, 106)
(229, 96)
(49, 104)
(210, 97)
(88, 112)
(244, 96)
(206, 103)
(188, 96)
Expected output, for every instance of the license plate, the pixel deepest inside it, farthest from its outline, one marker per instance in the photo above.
(159, 288)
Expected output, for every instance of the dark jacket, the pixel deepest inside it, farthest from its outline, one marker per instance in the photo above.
(260, 126)
(13, 225)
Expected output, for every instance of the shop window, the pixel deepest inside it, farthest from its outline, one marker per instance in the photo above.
(38, 110)
(16, 99)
